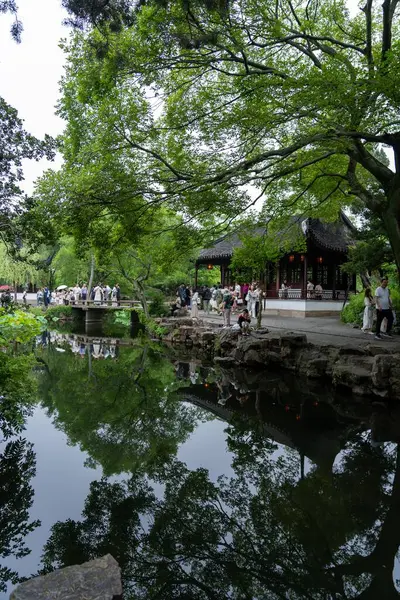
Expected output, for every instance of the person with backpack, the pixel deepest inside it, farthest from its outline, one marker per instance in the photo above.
(227, 307)
(206, 300)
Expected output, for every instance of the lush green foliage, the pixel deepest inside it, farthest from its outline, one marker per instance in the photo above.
(157, 307)
(20, 326)
(60, 311)
(17, 459)
(293, 100)
(354, 309)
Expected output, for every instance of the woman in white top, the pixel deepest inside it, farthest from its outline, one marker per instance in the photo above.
(251, 301)
(368, 311)
(98, 294)
(194, 311)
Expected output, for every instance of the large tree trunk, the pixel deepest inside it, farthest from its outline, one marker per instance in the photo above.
(90, 278)
(391, 220)
(259, 314)
(141, 296)
(365, 280)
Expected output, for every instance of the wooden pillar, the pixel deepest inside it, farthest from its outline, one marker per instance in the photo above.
(222, 268)
(305, 268)
(334, 281)
(278, 276)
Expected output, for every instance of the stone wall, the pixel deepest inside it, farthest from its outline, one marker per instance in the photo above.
(369, 370)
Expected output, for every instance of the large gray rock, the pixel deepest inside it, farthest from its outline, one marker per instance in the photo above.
(98, 579)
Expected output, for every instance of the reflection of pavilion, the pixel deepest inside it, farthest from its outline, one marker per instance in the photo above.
(307, 425)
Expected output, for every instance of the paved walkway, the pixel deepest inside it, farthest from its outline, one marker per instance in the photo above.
(321, 330)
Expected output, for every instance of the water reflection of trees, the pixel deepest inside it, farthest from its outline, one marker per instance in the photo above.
(273, 531)
(124, 413)
(17, 461)
(265, 533)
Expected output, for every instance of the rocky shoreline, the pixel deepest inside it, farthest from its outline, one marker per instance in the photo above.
(371, 370)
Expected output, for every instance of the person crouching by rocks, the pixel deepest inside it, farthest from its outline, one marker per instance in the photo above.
(244, 321)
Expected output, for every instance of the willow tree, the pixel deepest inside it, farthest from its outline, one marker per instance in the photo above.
(295, 98)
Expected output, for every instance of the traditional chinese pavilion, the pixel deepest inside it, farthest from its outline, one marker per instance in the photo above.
(326, 248)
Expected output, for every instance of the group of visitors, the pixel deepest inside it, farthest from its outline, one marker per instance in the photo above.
(316, 291)
(43, 296)
(382, 302)
(224, 300)
(99, 294)
(99, 348)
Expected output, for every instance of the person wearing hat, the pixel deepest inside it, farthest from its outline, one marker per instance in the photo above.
(384, 309)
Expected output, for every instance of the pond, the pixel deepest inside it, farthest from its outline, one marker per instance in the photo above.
(203, 482)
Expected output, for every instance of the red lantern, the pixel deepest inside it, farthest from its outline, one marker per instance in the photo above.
(291, 258)
(320, 260)
(210, 267)
(302, 257)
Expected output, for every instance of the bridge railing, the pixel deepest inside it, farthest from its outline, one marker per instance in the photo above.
(106, 303)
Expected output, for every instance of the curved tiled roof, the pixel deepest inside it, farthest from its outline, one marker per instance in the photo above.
(224, 246)
(336, 236)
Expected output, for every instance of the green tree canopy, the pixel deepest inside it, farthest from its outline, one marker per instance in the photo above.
(295, 99)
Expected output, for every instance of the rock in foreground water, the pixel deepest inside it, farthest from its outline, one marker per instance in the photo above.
(98, 579)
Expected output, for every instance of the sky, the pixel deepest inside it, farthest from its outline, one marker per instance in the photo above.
(30, 72)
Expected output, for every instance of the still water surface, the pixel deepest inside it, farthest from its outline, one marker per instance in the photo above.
(204, 482)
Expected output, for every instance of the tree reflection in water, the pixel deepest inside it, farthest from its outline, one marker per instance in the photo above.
(17, 461)
(273, 531)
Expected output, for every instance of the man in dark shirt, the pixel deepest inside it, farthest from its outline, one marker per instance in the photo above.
(244, 321)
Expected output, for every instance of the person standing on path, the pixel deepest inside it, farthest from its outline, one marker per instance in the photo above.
(194, 310)
(227, 307)
(368, 311)
(251, 301)
(98, 294)
(84, 292)
(384, 309)
(206, 300)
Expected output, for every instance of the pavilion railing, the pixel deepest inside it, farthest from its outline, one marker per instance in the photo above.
(301, 294)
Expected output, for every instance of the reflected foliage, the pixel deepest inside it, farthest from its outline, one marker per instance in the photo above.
(265, 533)
(17, 460)
(123, 411)
(17, 392)
(17, 468)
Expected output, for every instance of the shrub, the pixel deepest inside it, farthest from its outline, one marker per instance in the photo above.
(38, 311)
(354, 309)
(157, 306)
(19, 327)
(61, 311)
